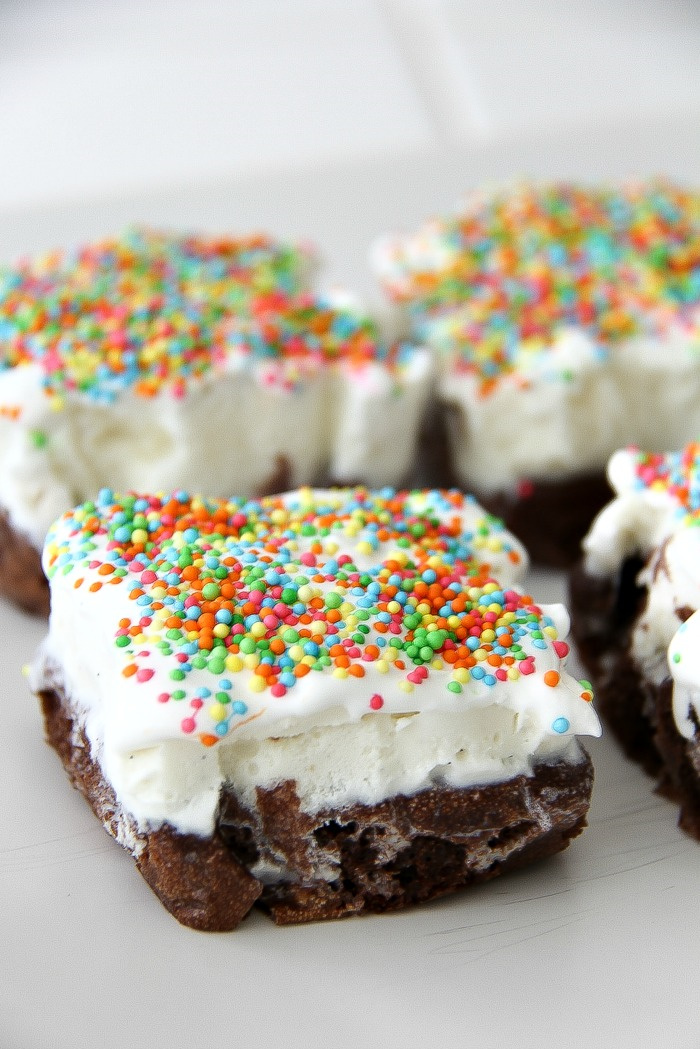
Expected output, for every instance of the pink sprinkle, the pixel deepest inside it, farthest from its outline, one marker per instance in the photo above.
(376, 702)
(148, 576)
(188, 724)
(163, 697)
(279, 690)
(526, 667)
(196, 704)
(561, 648)
(144, 674)
(270, 622)
(308, 559)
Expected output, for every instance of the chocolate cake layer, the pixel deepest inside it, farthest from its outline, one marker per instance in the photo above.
(334, 863)
(638, 710)
(21, 577)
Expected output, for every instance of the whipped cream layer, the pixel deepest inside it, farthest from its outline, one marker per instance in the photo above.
(656, 516)
(154, 361)
(573, 313)
(362, 644)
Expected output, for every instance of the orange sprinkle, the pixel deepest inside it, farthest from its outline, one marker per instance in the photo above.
(551, 678)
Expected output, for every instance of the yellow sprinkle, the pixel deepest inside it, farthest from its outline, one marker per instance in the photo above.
(513, 673)
(251, 660)
(437, 664)
(550, 631)
(405, 686)
(394, 606)
(221, 630)
(381, 665)
(234, 663)
(256, 683)
(217, 712)
(461, 674)
(296, 652)
(258, 629)
(341, 672)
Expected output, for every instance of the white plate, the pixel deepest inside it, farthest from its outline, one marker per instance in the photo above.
(600, 945)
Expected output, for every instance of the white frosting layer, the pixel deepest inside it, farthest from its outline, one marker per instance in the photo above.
(647, 522)
(324, 733)
(635, 522)
(567, 408)
(225, 435)
(684, 661)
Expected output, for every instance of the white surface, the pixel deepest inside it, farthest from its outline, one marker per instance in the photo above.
(597, 946)
(600, 946)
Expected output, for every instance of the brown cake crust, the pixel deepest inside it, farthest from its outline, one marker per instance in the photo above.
(638, 711)
(334, 863)
(21, 577)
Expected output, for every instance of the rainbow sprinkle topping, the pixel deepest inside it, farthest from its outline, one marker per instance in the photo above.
(515, 268)
(259, 594)
(676, 474)
(148, 312)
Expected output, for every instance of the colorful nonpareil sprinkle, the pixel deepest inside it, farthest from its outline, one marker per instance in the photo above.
(676, 474)
(150, 312)
(260, 594)
(506, 276)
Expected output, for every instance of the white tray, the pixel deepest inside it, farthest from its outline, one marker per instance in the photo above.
(599, 946)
